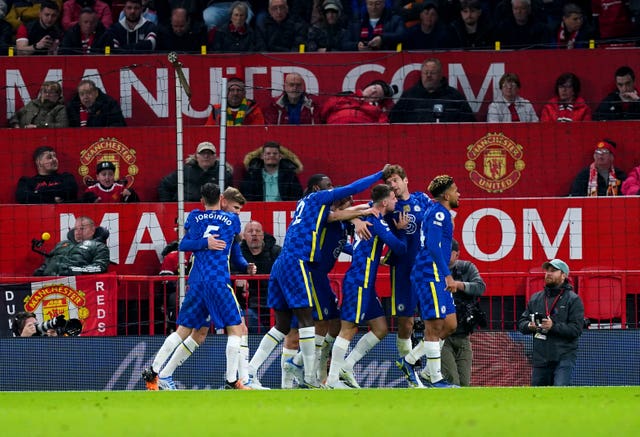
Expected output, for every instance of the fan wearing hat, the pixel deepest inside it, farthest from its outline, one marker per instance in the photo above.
(329, 34)
(555, 318)
(106, 189)
(199, 168)
(601, 177)
(369, 105)
(240, 110)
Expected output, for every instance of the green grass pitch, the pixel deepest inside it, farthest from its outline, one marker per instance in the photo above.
(469, 412)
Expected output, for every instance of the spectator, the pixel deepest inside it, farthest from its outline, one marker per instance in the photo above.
(509, 106)
(431, 99)
(240, 110)
(47, 186)
(472, 30)
(41, 36)
(133, 33)
(555, 317)
(149, 11)
(612, 19)
(271, 174)
(566, 105)
(180, 37)
(25, 11)
(457, 353)
(521, 29)
(280, 31)
(6, 31)
(200, 168)
(430, 33)
(83, 252)
(106, 189)
(600, 178)
(379, 29)
(259, 248)
(631, 185)
(371, 105)
(329, 34)
(217, 13)
(572, 32)
(624, 103)
(294, 105)
(82, 37)
(71, 10)
(47, 110)
(236, 35)
(90, 107)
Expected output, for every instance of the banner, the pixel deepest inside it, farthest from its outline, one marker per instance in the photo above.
(92, 299)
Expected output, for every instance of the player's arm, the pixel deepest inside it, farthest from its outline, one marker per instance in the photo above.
(396, 244)
(350, 213)
(193, 240)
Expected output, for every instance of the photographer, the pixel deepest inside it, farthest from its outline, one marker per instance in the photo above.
(26, 325)
(456, 353)
(555, 317)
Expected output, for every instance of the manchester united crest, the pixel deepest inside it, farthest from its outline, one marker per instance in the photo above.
(495, 162)
(112, 150)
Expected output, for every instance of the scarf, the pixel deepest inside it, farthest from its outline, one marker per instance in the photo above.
(592, 187)
(240, 30)
(84, 116)
(239, 114)
(564, 38)
(367, 33)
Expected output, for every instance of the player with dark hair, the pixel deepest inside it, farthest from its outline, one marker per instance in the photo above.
(210, 235)
(360, 302)
(290, 289)
(433, 283)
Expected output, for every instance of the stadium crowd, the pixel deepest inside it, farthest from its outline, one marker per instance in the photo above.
(50, 27)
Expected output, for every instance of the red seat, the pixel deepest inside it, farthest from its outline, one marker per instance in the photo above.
(603, 293)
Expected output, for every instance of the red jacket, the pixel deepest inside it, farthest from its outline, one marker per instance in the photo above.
(631, 185)
(277, 113)
(553, 111)
(352, 109)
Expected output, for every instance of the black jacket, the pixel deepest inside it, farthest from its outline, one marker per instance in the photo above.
(194, 178)
(416, 105)
(44, 189)
(613, 108)
(252, 186)
(282, 37)
(105, 112)
(580, 184)
(561, 341)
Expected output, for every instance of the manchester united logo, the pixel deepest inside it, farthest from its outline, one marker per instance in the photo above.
(112, 150)
(495, 162)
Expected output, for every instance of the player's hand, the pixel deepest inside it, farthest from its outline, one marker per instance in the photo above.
(214, 244)
(451, 284)
(252, 269)
(403, 220)
(386, 166)
(362, 229)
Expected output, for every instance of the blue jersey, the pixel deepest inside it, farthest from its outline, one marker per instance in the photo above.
(209, 265)
(333, 241)
(415, 206)
(302, 240)
(436, 234)
(366, 254)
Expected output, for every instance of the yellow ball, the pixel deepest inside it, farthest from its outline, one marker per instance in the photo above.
(46, 236)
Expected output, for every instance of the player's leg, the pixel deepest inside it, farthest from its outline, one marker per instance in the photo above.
(403, 306)
(289, 352)
(347, 331)
(306, 333)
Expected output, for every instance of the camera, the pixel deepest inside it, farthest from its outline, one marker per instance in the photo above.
(62, 326)
(537, 318)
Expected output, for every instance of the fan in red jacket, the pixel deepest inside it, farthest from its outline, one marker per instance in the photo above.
(371, 105)
(567, 105)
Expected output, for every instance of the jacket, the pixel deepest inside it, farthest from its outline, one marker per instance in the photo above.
(282, 37)
(568, 320)
(613, 108)
(554, 111)
(105, 112)
(474, 287)
(227, 41)
(416, 105)
(45, 188)
(253, 115)
(277, 112)
(194, 178)
(142, 39)
(71, 258)
(352, 109)
(42, 114)
(252, 186)
(631, 185)
(393, 31)
(72, 42)
(580, 185)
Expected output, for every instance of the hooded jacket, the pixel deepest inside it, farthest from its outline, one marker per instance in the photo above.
(252, 186)
(42, 114)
